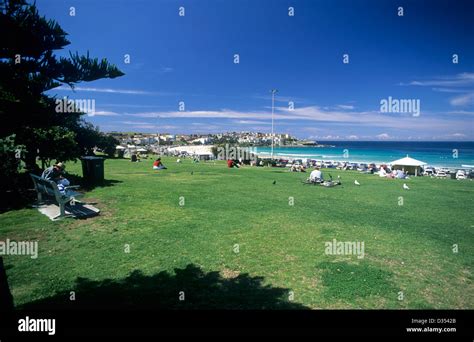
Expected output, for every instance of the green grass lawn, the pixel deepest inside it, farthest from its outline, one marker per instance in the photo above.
(238, 243)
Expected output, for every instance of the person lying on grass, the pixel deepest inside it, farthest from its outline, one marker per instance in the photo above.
(297, 168)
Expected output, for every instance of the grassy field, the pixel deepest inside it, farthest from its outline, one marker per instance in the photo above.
(229, 238)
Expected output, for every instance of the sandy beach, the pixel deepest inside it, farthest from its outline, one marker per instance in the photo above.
(193, 149)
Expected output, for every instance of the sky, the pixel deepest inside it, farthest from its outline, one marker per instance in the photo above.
(191, 60)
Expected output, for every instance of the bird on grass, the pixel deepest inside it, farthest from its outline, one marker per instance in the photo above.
(405, 187)
(192, 173)
(274, 182)
(356, 182)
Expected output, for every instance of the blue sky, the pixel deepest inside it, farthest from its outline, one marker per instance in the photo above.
(191, 59)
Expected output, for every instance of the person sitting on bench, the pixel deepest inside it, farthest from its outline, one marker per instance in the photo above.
(54, 173)
(63, 183)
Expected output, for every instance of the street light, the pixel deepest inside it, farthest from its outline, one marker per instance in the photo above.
(157, 119)
(273, 91)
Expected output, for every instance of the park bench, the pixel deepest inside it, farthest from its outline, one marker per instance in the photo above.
(49, 188)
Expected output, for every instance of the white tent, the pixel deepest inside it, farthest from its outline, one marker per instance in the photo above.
(408, 163)
(120, 147)
(142, 150)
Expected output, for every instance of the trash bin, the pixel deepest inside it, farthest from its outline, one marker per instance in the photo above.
(92, 170)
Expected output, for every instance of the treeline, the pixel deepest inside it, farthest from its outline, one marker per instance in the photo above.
(32, 129)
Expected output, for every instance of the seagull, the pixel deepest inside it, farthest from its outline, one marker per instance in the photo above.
(356, 182)
(405, 187)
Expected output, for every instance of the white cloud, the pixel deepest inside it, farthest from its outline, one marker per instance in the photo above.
(345, 107)
(383, 136)
(462, 79)
(451, 84)
(126, 105)
(462, 100)
(317, 114)
(105, 113)
(251, 122)
(113, 91)
(450, 90)
(147, 125)
(461, 112)
(135, 123)
(278, 98)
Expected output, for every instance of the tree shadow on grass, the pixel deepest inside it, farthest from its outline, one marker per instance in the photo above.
(6, 298)
(78, 180)
(201, 290)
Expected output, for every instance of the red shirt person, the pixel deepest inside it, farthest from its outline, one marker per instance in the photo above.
(158, 165)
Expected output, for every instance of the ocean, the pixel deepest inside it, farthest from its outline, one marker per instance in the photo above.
(450, 154)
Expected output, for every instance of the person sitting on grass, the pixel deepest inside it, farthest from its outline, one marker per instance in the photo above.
(316, 176)
(158, 165)
(232, 163)
(400, 174)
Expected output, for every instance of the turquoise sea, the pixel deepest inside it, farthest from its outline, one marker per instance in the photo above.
(442, 154)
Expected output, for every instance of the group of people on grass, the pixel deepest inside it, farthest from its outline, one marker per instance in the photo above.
(399, 174)
(57, 171)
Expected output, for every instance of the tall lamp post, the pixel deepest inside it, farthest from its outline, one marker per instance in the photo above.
(159, 151)
(273, 91)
